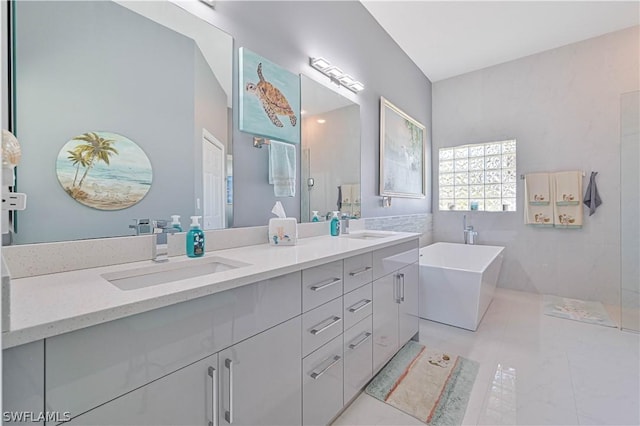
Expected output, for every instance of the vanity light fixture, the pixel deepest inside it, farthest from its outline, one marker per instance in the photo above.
(336, 75)
(321, 121)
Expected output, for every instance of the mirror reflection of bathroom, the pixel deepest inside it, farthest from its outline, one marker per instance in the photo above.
(149, 71)
(330, 163)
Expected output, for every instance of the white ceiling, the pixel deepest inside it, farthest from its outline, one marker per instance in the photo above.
(449, 38)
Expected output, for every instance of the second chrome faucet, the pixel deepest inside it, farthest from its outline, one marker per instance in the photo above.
(470, 235)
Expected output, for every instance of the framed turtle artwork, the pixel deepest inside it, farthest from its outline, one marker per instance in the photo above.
(269, 99)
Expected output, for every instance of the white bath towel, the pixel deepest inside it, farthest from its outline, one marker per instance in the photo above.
(538, 189)
(355, 193)
(568, 188)
(567, 216)
(282, 168)
(538, 211)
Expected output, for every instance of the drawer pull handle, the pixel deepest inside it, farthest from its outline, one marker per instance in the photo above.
(365, 336)
(334, 320)
(359, 271)
(333, 360)
(363, 304)
(228, 415)
(211, 410)
(325, 284)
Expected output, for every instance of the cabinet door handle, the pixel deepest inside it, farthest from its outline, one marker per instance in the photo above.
(228, 415)
(396, 288)
(324, 284)
(365, 336)
(212, 413)
(402, 287)
(333, 360)
(359, 271)
(363, 304)
(317, 329)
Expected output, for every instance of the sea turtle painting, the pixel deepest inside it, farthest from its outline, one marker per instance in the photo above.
(272, 99)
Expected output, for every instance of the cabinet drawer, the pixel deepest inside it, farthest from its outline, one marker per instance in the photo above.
(321, 325)
(321, 284)
(390, 259)
(358, 270)
(358, 357)
(88, 367)
(322, 382)
(357, 305)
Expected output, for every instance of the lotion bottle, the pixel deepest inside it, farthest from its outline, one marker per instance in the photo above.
(335, 224)
(315, 216)
(195, 239)
(175, 223)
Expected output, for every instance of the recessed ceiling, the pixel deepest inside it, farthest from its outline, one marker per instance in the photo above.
(449, 38)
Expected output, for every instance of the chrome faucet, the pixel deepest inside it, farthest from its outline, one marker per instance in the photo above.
(160, 247)
(141, 226)
(469, 234)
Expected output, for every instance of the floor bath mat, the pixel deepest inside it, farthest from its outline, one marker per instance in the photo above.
(577, 310)
(430, 385)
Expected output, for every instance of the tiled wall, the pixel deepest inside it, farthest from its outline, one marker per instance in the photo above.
(562, 106)
(420, 223)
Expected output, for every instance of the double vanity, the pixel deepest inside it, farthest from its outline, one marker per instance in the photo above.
(249, 335)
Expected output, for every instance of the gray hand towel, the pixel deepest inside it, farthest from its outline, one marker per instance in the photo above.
(591, 197)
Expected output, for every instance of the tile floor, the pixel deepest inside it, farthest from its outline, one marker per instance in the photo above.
(534, 369)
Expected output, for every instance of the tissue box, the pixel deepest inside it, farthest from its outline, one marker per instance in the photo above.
(283, 231)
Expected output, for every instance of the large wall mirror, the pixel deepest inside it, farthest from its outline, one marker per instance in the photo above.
(330, 163)
(149, 71)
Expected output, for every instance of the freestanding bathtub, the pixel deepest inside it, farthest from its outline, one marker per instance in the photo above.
(457, 282)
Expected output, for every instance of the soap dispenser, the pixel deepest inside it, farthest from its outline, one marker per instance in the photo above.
(195, 239)
(175, 223)
(315, 217)
(335, 224)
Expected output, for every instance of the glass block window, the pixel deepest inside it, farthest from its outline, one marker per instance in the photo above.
(478, 177)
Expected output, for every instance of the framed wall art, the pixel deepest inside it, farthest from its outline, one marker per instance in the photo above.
(269, 99)
(402, 153)
(104, 170)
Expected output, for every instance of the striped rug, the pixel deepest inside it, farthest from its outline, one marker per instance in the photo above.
(430, 385)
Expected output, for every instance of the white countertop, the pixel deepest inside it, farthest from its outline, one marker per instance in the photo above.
(48, 305)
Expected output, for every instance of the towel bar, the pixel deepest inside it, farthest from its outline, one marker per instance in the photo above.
(522, 176)
(258, 142)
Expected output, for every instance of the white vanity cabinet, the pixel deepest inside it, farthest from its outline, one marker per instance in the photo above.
(23, 381)
(259, 379)
(288, 350)
(253, 382)
(184, 397)
(91, 366)
(395, 299)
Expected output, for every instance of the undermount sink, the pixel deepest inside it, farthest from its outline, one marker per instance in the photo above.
(148, 276)
(369, 235)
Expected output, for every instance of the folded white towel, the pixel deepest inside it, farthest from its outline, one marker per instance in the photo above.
(538, 189)
(282, 168)
(568, 188)
(568, 216)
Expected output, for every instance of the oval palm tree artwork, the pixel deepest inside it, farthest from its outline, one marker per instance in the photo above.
(104, 170)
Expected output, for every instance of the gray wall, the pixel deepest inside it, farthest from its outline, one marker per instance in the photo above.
(563, 107)
(343, 32)
(91, 66)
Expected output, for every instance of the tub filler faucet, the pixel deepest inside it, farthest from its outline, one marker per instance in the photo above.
(470, 235)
